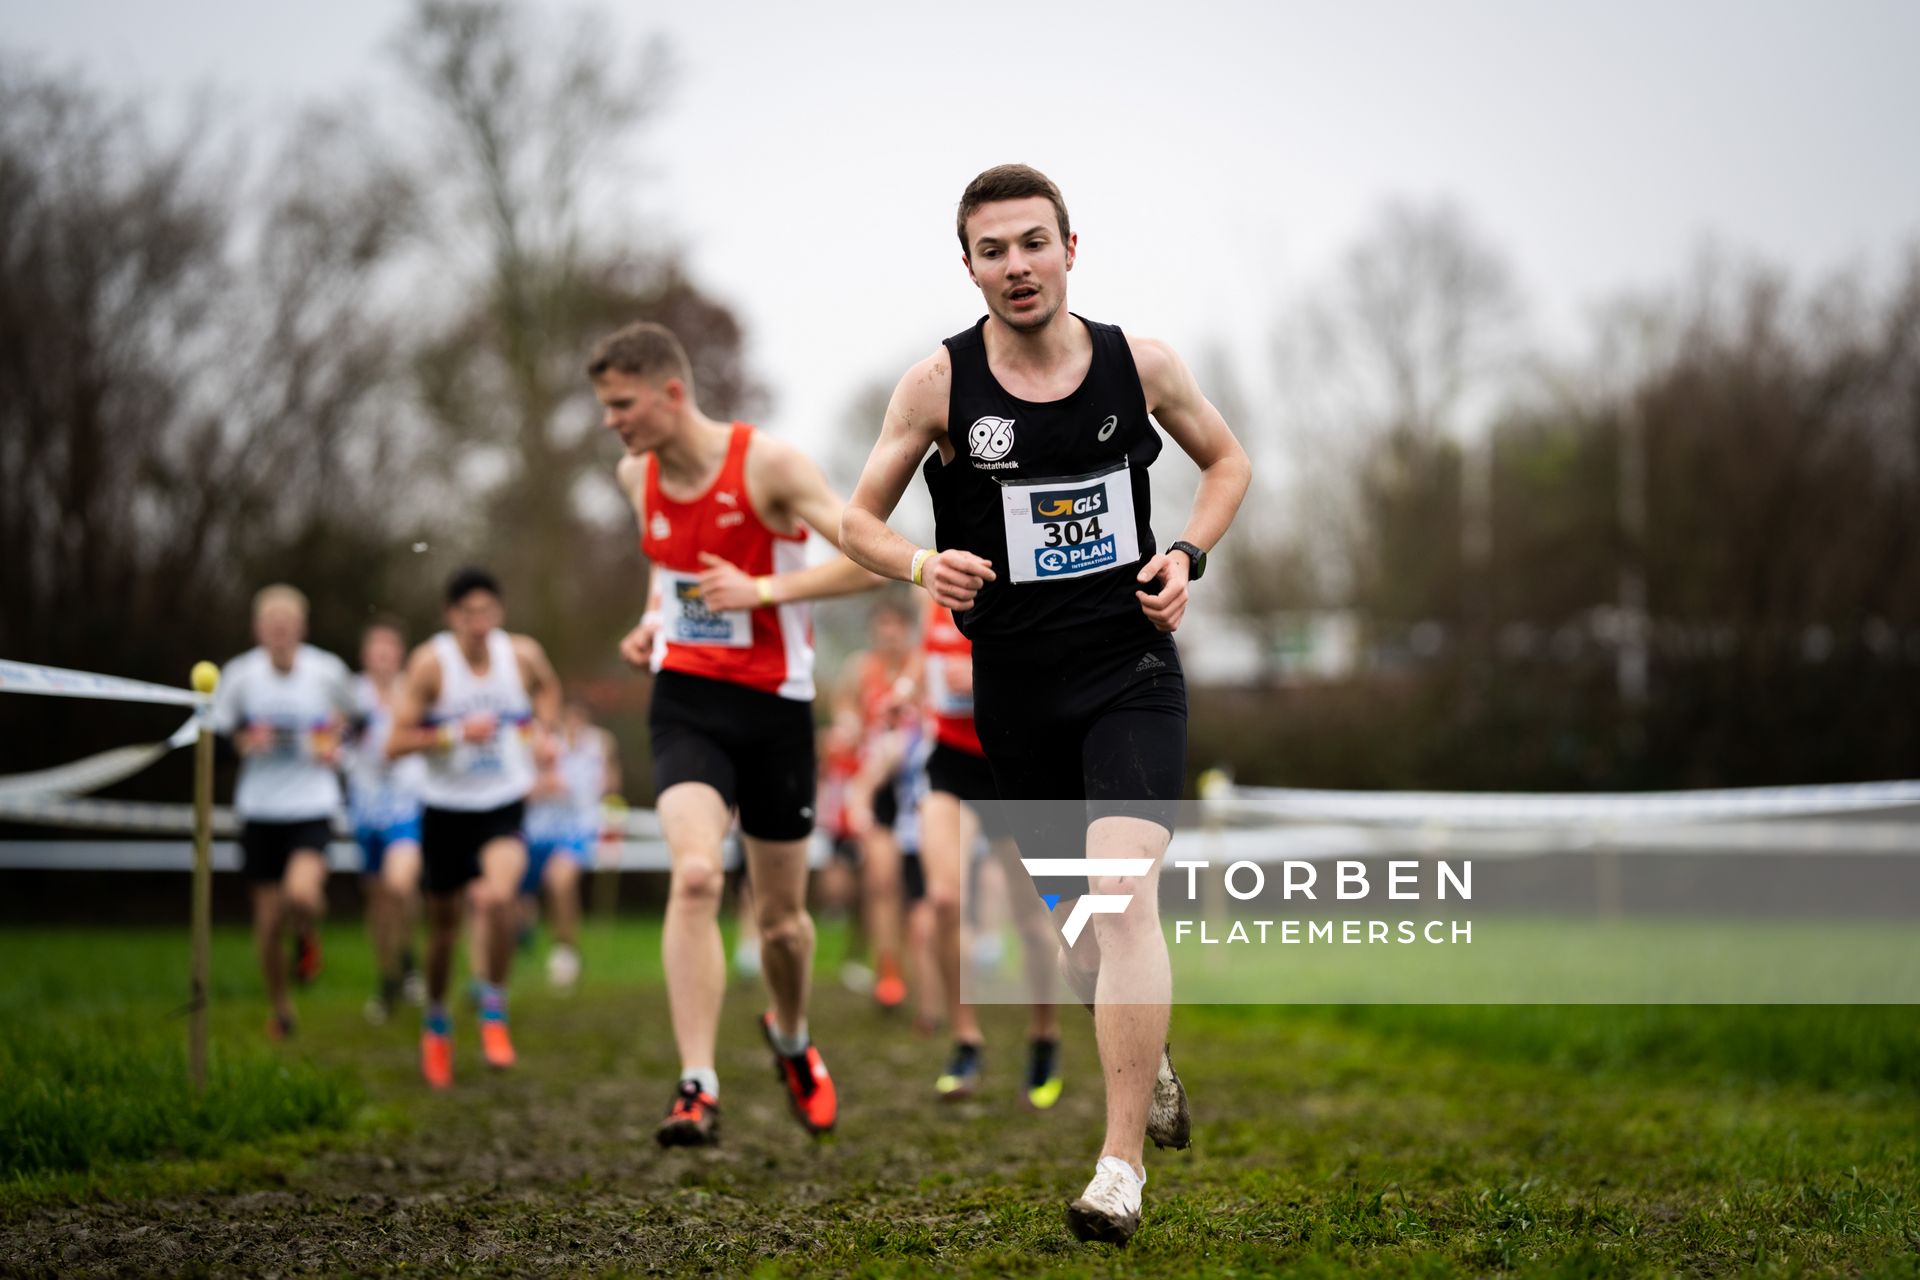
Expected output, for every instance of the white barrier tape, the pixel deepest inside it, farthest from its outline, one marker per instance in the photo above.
(1426, 808)
(96, 771)
(1327, 843)
(58, 682)
(57, 810)
(110, 815)
(342, 855)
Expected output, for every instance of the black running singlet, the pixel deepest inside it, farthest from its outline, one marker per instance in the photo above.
(1054, 496)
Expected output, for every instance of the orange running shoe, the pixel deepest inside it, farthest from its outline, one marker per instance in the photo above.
(436, 1058)
(890, 991)
(495, 1044)
(809, 1087)
(306, 957)
(693, 1120)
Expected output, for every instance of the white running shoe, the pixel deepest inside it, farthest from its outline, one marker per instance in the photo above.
(746, 957)
(1108, 1211)
(856, 978)
(413, 989)
(563, 968)
(1169, 1123)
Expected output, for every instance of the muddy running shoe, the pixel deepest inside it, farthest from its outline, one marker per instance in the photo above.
(380, 1004)
(1108, 1211)
(306, 957)
(1168, 1122)
(280, 1027)
(496, 1046)
(809, 1087)
(436, 1058)
(1043, 1074)
(962, 1076)
(693, 1119)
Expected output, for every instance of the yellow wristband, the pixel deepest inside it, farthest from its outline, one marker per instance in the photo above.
(763, 586)
(920, 559)
(446, 736)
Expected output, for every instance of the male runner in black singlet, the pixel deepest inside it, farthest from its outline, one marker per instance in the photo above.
(1037, 423)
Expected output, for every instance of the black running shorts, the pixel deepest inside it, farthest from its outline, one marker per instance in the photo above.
(967, 777)
(451, 841)
(1101, 721)
(754, 748)
(266, 846)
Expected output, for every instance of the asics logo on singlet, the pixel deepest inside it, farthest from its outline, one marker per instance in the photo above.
(1107, 427)
(1087, 905)
(990, 439)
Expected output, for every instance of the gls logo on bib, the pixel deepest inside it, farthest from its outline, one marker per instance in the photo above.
(990, 439)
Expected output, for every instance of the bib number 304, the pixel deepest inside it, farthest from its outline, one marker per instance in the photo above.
(1070, 527)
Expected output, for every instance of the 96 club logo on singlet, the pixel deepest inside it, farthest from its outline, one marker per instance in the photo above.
(1070, 527)
(688, 620)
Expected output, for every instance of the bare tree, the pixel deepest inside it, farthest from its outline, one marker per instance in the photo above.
(186, 387)
(1387, 373)
(534, 129)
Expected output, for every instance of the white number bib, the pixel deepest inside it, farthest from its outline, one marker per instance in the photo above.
(687, 620)
(1070, 528)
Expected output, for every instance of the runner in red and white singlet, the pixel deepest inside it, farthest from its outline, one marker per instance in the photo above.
(724, 512)
(770, 648)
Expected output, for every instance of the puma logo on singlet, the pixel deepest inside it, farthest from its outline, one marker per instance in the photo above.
(728, 519)
(726, 499)
(659, 526)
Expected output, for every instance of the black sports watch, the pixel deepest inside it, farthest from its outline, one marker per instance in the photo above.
(1196, 559)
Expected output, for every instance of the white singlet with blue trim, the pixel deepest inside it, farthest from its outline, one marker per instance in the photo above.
(474, 777)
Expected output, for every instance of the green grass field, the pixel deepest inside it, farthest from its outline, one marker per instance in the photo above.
(1395, 1139)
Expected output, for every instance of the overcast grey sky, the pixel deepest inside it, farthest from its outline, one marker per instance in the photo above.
(1216, 157)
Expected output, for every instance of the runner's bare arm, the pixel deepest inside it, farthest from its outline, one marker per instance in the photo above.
(787, 486)
(543, 690)
(610, 769)
(419, 689)
(916, 421)
(543, 685)
(636, 647)
(1174, 398)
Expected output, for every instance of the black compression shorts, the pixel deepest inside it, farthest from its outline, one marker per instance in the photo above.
(754, 748)
(266, 846)
(968, 777)
(1104, 723)
(451, 841)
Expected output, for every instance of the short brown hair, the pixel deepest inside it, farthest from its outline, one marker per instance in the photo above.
(279, 595)
(1008, 182)
(642, 350)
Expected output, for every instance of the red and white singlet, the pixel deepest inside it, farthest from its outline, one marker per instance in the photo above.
(769, 648)
(952, 712)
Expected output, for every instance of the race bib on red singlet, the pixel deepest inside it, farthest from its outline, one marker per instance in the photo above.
(1070, 527)
(685, 618)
